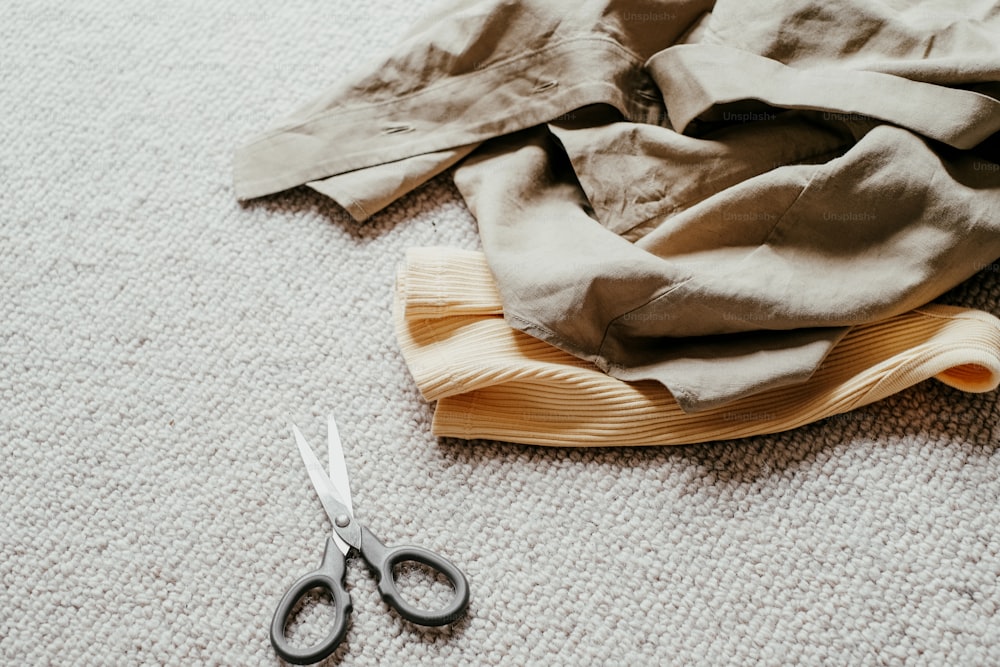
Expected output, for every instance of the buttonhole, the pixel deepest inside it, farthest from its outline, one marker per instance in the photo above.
(545, 86)
(397, 129)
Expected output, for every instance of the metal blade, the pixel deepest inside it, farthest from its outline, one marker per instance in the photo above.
(344, 524)
(338, 468)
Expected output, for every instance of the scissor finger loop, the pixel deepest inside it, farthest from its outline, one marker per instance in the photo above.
(330, 578)
(383, 560)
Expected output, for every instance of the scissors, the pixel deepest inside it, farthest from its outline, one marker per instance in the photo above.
(334, 492)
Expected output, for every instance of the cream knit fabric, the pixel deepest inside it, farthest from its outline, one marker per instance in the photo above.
(491, 381)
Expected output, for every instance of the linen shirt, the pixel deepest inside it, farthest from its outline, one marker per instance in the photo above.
(707, 195)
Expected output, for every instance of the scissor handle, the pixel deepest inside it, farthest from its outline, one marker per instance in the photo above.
(329, 577)
(382, 559)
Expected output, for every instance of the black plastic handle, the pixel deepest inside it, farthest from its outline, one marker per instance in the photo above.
(382, 559)
(329, 577)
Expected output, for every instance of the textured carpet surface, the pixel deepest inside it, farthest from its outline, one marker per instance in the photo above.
(156, 338)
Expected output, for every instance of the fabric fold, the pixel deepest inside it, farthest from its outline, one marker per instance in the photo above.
(746, 290)
(335, 139)
(697, 78)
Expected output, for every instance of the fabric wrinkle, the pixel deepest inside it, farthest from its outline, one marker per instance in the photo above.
(707, 195)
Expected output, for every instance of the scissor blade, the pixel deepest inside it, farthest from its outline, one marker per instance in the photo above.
(338, 468)
(328, 495)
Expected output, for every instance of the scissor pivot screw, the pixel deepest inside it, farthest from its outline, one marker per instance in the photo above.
(342, 520)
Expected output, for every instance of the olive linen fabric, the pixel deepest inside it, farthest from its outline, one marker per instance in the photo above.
(709, 196)
(493, 382)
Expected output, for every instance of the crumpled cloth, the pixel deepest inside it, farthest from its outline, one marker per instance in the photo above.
(705, 194)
